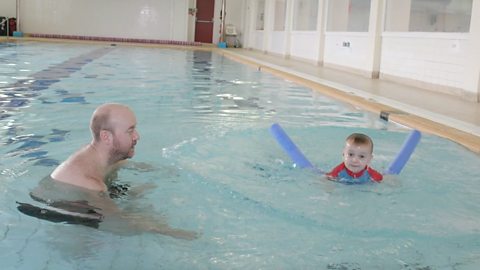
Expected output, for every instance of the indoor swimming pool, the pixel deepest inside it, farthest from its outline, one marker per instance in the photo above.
(204, 126)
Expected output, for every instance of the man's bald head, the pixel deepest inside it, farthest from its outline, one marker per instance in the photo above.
(105, 116)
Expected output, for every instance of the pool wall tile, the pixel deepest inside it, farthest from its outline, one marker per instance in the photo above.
(114, 39)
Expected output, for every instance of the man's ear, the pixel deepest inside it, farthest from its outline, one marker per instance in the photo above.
(106, 135)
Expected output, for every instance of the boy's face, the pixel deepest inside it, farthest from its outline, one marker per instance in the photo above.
(356, 156)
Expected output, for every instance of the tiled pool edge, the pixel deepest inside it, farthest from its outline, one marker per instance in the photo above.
(115, 39)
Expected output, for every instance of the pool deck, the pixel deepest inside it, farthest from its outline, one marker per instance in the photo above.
(428, 111)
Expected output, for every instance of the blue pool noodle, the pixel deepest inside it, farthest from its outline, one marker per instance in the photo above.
(287, 144)
(405, 152)
(301, 161)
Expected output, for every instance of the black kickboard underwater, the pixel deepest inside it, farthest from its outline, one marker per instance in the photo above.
(69, 212)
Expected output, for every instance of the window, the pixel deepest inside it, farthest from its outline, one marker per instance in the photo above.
(348, 15)
(280, 9)
(428, 15)
(260, 22)
(305, 15)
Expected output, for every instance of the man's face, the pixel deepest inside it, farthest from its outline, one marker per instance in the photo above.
(125, 136)
(356, 156)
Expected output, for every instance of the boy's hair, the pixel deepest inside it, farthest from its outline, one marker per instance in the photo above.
(360, 138)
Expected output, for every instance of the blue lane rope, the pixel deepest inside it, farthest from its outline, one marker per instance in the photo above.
(302, 162)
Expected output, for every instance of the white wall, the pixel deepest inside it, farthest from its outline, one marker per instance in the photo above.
(304, 45)
(139, 19)
(473, 65)
(8, 8)
(438, 59)
(147, 19)
(277, 42)
(442, 62)
(235, 14)
(191, 21)
(349, 50)
(179, 16)
(258, 40)
(357, 51)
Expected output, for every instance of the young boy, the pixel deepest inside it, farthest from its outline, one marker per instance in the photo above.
(354, 169)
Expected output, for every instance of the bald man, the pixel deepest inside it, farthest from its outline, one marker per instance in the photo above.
(114, 139)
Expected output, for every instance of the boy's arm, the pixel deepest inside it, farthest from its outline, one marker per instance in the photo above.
(374, 175)
(333, 175)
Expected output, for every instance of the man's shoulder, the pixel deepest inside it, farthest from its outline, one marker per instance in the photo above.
(80, 180)
(74, 173)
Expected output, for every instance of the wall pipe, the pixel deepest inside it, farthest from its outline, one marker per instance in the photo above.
(17, 9)
(222, 21)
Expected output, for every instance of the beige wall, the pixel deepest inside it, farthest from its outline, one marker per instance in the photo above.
(147, 19)
(8, 8)
(141, 19)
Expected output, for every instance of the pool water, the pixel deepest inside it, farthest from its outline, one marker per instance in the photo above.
(204, 125)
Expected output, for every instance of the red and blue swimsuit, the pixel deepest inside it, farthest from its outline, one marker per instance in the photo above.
(345, 176)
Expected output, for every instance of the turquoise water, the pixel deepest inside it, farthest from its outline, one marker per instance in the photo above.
(204, 125)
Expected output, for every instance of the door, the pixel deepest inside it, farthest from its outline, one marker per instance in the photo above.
(204, 21)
